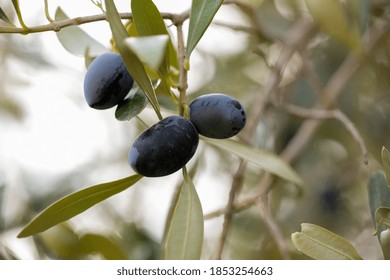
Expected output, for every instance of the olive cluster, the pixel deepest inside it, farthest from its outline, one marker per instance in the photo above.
(168, 145)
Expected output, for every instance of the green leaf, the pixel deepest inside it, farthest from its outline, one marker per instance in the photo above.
(76, 203)
(105, 246)
(131, 106)
(202, 13)
(359, 11)
(148, 22)
(382, 219)
(147, 19)
(268, 161)
(149, 49)
(75, 40)
(322, 244)
(378, 194)
(386, 164)
(331, 16)
(183, 238)
(132, 62)
(4, 17)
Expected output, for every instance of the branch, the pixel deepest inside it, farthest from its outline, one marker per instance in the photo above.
(58, 25)
(307, 129)
(297, 37)
(330, 114)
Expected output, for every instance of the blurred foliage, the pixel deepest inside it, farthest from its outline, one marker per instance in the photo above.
(334, 196)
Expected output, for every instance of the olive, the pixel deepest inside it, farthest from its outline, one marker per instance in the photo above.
(217, 115)
(107, 81)
(164, 148)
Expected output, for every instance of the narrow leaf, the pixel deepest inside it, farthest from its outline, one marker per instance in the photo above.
(75, 40)
(148, 22)
(202, 13)
(4, 17)
(132, 62)
(105, 246)
(76, 203)
(382, 219)
(149, 49)
(386, 164)
(268, 161)
(131, 106)
(378, 194)
(330, 15)
(183, 238)
(322, 244)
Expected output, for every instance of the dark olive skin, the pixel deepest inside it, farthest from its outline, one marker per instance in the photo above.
(217, 115)
(107, 81)
(164, 148)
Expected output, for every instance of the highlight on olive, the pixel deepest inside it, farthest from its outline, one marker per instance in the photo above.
(164, 148)
(107, 81)
(217, 115)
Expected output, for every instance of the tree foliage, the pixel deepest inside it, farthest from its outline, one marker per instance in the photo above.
(306, 178)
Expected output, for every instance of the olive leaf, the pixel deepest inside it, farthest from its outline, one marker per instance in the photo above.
(148, 22)
(386, 163)
(202, 13)
(183, 238)
(4, 17)
(322, 244)
(378, 194)
(268, 161)
(104, 245)
(75, 40)
(132, 62)
(382, 218)
(331, 16)
(149, 49)
(76, 203)
(131, 106)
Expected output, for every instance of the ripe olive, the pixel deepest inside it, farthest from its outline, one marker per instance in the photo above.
(164, 148)
(217, 115)
(107, 81)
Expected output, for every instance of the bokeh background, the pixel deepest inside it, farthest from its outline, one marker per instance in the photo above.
(52, 143)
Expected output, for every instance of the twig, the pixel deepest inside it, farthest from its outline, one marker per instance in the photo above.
(273, 227)
(307, 129)
(58, 25)
(183, 83)
(298, 36)
(234, 27)
(330, 114)
(238, 181)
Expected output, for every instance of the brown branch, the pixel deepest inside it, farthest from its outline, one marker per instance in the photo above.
(238, 181)
(330, 114)
(58, 25)
(273, 227)
(298, 36)
(333, 90)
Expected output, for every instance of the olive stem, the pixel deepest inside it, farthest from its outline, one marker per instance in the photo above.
(58, 25)
(183, 83)
(48, 17)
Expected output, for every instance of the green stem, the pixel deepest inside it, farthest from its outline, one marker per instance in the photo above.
(183, 84)
(48, 17)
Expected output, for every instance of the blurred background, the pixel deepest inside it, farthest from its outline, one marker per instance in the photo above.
(52, 143)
